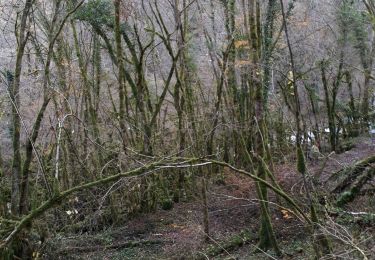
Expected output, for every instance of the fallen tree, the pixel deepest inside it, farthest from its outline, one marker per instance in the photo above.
(352, 179)
(354, 190)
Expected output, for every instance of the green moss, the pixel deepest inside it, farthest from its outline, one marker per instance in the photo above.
(233, 242)
(344, 198)
(346, 145)
(126, 253)
(6, 254)
(166, 204)
(301, 164)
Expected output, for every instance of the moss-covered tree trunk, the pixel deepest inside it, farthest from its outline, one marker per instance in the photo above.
(14, 80)
(267, 238)
(121, 71)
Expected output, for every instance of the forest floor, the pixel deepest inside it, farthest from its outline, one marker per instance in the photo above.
(234, 221)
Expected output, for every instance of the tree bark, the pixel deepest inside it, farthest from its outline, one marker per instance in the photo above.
(22, 38)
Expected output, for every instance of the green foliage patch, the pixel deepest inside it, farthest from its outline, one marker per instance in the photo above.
(96, 12)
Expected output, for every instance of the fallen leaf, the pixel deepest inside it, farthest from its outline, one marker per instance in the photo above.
(286, 214)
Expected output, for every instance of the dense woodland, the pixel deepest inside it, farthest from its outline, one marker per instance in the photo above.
(115, 112)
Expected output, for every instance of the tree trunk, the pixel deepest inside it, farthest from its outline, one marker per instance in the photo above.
(121, 70)
(22, 37)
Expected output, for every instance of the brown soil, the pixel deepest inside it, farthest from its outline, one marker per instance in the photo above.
(178, 233)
